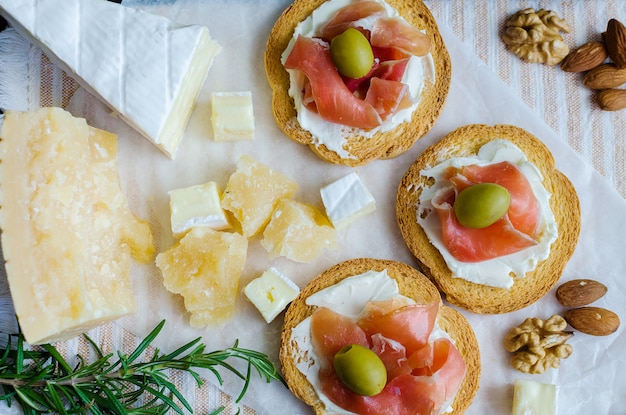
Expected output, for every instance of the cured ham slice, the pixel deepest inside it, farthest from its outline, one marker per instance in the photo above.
(393, 32)
(422, 375)
(515, 231)
(333, 100)
(387, 97)
(346, 16)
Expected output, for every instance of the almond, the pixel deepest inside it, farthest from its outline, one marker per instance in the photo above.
(580, 292)
(615, 39)
(585, 57)
(605, 76)
(593, 320)
(612, 99)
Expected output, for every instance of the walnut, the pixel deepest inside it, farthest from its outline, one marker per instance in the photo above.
(538, 344)
(535, 36)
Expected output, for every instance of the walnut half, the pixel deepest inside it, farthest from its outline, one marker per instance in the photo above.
(538, 344)
(535, 36)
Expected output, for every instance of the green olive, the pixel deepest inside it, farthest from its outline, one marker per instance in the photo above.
(481, 205)
(360, 369)
(352, 53)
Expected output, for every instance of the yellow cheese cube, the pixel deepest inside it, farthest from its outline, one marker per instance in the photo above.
(298, 231)
(533, 398)
(271, 293)
(67, 232)
(197, 205)
(205, 267)
(252, 193)
(232, 116)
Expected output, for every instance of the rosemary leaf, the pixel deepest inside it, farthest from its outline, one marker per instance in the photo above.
(42, 380)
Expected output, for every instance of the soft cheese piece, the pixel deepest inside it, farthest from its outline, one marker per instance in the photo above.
(205, 267)
(232, 116)
(67, 232)
(346, 200)
(271, 293)
(198, 205)
(145, 67)
(533, 398)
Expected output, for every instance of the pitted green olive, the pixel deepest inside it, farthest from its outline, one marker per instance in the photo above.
(352, 53)
(481, 205)
(360, 369)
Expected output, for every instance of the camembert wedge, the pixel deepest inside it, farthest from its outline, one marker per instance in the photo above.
(145, 67)
(67, 232)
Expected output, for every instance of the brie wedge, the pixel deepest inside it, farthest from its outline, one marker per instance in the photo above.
(145, 67)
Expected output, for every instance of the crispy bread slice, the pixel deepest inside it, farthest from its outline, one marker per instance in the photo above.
(564, 203)
(363, 149)
(412, 284)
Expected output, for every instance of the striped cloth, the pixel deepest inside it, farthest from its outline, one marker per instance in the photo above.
(560, 98)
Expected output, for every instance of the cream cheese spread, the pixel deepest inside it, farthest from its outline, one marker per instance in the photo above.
(348, 298)
(419, 72)
(502, 271)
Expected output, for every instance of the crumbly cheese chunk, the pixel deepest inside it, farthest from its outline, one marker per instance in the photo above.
(232, 116)
(252, 193)
(271, 293)
(67, 232)
(346, 200)
(145, 67)
(205, 267)
(533, 398)
(198, 205)
(298, 231)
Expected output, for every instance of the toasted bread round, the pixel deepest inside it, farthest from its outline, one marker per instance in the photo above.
(412, 284)
(380, 145)
(466, 141)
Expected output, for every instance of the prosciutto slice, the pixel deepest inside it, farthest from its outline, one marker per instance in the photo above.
(422, 375)
(517, 230)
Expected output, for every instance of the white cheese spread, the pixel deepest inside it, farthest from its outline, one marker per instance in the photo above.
(502, 271)
(348, 298)
(419, 72)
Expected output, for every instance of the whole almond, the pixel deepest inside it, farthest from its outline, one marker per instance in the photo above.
(615, 38)
(612, 99)
(585, 57)
(605, 76)
(576, 293)
(593, 320)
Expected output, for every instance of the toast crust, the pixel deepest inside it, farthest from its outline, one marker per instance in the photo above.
(466, 141)
(411, 283)
(382, 144)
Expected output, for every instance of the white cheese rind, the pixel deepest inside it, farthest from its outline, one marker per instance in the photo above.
(346, 200)
(145, 67)
(271, 293)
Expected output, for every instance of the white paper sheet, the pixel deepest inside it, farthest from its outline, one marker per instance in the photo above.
(592, 380)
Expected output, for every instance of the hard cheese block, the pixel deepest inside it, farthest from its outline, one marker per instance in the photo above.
(148, 69)
(67, 232)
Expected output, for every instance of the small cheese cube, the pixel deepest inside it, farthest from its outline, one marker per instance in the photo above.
(298, 232)
(271, 292)
(205, 267)
(197, 205)
(252, 193)
(533, 398)
(232, 116)
(346, 200)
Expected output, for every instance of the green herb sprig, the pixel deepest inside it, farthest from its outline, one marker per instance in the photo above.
(42, 381)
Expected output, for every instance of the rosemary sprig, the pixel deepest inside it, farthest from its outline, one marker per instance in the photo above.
(42, 381)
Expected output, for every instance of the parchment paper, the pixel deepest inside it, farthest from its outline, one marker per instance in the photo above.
(592, 380)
